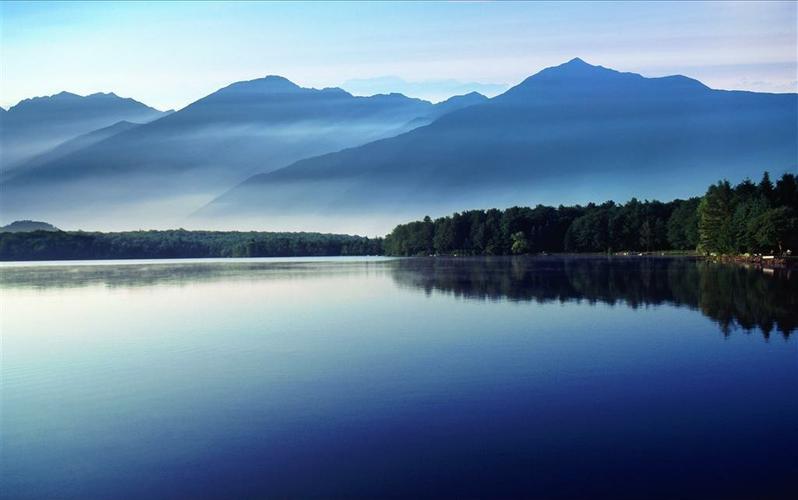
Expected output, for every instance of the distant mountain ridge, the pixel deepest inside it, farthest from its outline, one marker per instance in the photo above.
(270, 154)
(569, 133)
(173, 165)
(38, 124)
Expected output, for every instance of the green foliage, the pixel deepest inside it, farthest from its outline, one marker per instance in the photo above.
(682, 225)
(750, 218)
(635, 226)
(44, 245)
(726, 220)
(715, 230)
(775, 229)
(766, 187)
(519, 244)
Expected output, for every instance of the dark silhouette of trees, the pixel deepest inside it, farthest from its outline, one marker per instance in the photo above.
(62, 245)
(745, 218)
(733, 296)
(715, 213)
(750, 218)
(682, 226)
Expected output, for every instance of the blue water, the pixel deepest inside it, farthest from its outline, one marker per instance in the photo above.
(537, 378)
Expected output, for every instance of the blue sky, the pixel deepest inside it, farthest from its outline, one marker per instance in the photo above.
(170, 54)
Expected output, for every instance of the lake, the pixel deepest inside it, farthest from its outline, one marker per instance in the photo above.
(545, 377)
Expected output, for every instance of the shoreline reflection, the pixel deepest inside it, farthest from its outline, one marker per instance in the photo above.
(734, 297)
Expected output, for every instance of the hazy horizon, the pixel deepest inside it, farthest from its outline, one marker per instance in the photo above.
(726, 45)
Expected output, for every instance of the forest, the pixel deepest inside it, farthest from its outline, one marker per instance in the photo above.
(66, 245)
(749, 217)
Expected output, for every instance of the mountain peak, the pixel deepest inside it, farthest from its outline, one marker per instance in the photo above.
(578, 76)
(577, 67)
(276, 80)
(577, 61)
(270, 84)
(63, 95)
(70, 99)
(105, 94)
(471, 97)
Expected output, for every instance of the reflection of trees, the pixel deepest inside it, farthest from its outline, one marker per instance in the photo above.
(732, 296)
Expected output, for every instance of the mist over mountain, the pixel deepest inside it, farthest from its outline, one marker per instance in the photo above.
(434, 90)
(269, 154)
(444, 107)
(68, 147)
(568, 134)
(36, 125)
(162, 171)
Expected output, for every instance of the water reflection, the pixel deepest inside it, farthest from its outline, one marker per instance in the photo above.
(134, 275)
(733, 296)
(186, 380)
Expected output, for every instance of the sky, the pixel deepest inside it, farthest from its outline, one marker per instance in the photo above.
(168, 55)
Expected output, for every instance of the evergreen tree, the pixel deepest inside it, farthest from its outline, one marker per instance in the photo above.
(776, 229)
(646, 236)
(715, 213)
(786, 192)
(682, 226)
(766, 187)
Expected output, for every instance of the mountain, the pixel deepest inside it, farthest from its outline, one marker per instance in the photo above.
(445, 107)
(36, 125)
(459, 102)
(158, 173)
(68, 147)
(26, 226)
(567, 134)
(435, 90)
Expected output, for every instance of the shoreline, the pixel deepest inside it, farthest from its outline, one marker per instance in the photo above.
(757, 261)
(748, 261)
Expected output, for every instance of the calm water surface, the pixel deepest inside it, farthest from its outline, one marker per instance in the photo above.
(526, 377)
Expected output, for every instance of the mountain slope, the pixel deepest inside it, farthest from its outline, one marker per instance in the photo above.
(451, 104)
(170, 167)
(69, 147)
(36, 125)
(568, 134)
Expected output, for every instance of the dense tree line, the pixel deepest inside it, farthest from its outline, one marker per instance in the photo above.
(749, 217)
(63, 245)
